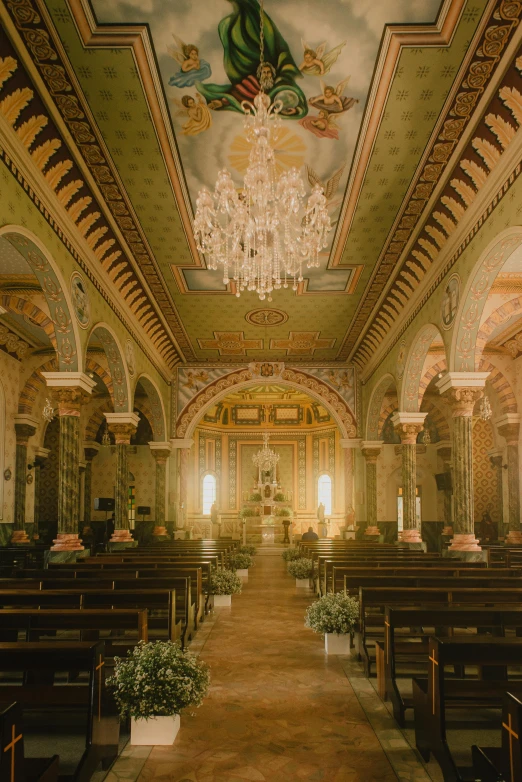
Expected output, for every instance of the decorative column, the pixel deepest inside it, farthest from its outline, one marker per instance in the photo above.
(461, 391)
(182, 446)
(40, 456)
(444, 451)
(348, 530)
(25, 427)
(161, 453)
(90, 450)
(69, 391)
(370, 451)
(122, 426)
(408, 426)
(508, 426)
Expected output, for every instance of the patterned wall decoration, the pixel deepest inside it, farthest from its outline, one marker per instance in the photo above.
(49, 474)
(142, 467)
(248, 414)
(510, 309)
(192, 380)
(157, 415)
(414, 367)
(232, 473)
(286, 415)
(330, 436)
(11, 342)
(116, 369)
(341, 380)
(485, 486)
(9, 374)
(64, 340)
(374, 410)
(301, 472)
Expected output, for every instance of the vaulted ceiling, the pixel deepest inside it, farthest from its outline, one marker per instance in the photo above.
(408, 81)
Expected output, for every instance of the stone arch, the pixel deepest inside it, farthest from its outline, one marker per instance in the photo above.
(482, 277)
(66, 331)
(92, 366)
(438, 418)
(236, 381)
(505, 395)
(375, 406)
(156, 414)
(117, 366)
(439, 368)
(96, 420)
(386, 411)
(34, 385)
(411, 396)
(503, 313)
(19, 306)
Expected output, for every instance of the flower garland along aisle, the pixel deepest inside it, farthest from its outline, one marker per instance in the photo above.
(223, 584)
(153, 684)
(335, 615)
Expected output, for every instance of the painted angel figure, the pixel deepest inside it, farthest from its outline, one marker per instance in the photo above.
(197, 111)
(316, 62)
(330, 188)
(322, 125)
(332, 98)
(192, 67)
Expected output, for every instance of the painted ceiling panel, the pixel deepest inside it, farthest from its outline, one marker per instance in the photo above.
(345, 37)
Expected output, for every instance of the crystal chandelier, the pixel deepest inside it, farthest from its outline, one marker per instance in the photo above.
(265, 459)
(485, 411)
(262, 234)
(106, 438)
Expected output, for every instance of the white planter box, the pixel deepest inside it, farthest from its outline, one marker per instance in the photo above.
(242, 573)
(155, 730)
(222, 600)
(302, 583)
(337, 643)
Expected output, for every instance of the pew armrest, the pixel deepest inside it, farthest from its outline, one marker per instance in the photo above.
(41, 769)
(487, 763)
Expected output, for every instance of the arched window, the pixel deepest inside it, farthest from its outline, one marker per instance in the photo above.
(209, 493)
(324, 493)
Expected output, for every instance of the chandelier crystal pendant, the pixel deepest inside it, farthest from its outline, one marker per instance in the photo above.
(265, 459)
(262, 233)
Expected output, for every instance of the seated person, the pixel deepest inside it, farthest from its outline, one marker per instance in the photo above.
(310, 535)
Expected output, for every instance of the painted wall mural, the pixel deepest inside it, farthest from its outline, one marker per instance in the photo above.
(318, 62)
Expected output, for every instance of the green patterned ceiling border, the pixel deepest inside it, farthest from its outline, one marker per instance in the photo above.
(489, 141)
(484, 61)
(46, 51)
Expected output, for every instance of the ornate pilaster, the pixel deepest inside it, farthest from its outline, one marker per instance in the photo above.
(40, 456)
(371, 450)
(461, 391)
(161, 453)
(508, 426)
(122, 426)
(69, 391)
(408, 426)
(183, 447)
(349, 462)
(90, 450)
(25, 427)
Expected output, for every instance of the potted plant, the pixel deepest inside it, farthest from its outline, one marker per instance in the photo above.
(247, 512)
(334, 615)
(240, 563)
(286, 512)
(279, 497)
(290, 554)
(255, 497)
(223, 584)
(301, 569)
(248, 549)
(153, 684)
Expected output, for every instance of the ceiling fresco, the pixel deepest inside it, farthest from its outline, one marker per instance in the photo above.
(169, 119)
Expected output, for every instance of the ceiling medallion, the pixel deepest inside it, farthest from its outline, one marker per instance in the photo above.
(266, 317)
(262, 233)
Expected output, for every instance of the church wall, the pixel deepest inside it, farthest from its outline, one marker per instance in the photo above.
(142, 468)
(9, 378)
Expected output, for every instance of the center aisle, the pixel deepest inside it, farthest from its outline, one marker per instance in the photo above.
(279, 709)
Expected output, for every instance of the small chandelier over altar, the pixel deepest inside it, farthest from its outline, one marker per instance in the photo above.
(265, 459)
(262, 233)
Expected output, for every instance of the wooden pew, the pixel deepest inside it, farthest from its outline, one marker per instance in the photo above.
(432, 695)
(411, 648)
(161, 604)
(14, 766)
(373, 601)
(492, 764)
(38, 664)
(483, 580)
(87, 622)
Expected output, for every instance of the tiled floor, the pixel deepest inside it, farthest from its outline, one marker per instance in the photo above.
(279, 709)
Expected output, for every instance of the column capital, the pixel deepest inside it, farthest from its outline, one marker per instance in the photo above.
(408, 426)
(160, 451)
(122, 426)
(371, 449)
(508, 426)
(90, 449)
(41, 453)
(443, 448)
(177, 442)
(69, 390)
(461, 380)
(349, 443)
(462, 390)
(25, 427)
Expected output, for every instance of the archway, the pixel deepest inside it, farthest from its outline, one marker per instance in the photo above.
(148, 401)
(418, 362)
(386, 387)
(103, 337)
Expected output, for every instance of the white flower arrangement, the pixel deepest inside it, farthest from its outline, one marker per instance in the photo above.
(289, 554)
(248, 549)
(158, 679)
(225, 582)
(334, 613)
(240, 561)
(301, 568)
